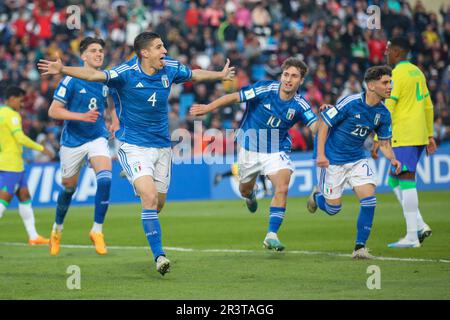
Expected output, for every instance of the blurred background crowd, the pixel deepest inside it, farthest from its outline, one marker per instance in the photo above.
(257, 36)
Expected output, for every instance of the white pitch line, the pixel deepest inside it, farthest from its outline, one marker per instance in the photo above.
(332, 254)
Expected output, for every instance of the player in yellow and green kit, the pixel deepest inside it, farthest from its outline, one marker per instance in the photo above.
(412, 133)
(12, 172)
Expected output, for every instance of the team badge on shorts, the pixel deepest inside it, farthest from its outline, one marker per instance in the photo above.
(136, 167)
(328, 190)
(165, 81)
(290, 114)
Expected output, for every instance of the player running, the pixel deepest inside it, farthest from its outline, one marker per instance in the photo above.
(143, 90)
(12, 171)
(81, 105)
(411, 107)
(342, 131)
(273, 107)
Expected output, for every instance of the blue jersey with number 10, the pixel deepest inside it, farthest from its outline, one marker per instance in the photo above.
(267, 118)
(351, 120)
(143, 101)
(81, 96)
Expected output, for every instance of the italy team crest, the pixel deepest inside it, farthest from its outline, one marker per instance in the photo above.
(290, 114)
(165, 81)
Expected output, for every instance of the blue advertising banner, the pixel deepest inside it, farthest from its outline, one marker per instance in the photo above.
(196, 181)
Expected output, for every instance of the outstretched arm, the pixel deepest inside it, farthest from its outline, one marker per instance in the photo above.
(227, 73)
(386, 149)
(201, 109)
(57, 67)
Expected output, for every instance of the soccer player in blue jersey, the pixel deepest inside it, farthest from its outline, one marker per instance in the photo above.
(341, 159)
(273, 107)
(143, 90)
(81, 105)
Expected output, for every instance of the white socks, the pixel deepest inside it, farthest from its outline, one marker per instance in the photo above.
(420, 222)
(57, 227)
(26, 213)
(97, 227)
(410, 204)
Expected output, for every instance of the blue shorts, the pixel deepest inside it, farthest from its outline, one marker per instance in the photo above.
(12, 181)
(409, 156)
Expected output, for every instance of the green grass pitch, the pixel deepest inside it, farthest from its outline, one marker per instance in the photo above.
(216, 253)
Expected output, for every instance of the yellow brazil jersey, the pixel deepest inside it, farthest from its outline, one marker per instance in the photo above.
(410, 105)
(12, 139)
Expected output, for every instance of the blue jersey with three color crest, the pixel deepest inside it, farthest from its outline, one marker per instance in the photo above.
(351, 120)
(81, 96)
(143, 101)
(268, 118)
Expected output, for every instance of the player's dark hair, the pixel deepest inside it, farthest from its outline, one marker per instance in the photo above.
(84, 44)
(142, 40)
(402, 43)
(297, 63)
(14, 91)
(375, 73)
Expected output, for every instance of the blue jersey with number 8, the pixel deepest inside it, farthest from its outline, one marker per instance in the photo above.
(81, 96)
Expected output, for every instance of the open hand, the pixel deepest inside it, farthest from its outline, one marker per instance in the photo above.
(51, 67)
(228, 72)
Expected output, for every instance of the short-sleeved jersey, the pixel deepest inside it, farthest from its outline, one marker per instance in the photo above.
(351, 120)
(113, 91)
(410, 105)
(81, 96)
(268, 118)
(143, 101)
(12, 139)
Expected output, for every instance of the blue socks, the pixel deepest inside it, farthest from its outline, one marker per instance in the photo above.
(324, 206)
(152, 229)
(64, 199)
(365, 219)
(276, 218)
(102, 195)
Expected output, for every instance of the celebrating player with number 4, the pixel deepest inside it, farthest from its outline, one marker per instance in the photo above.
(340, 153)
(143, 90)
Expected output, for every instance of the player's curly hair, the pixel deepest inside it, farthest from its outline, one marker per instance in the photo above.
(86, 42)
(375, 73)
(297, 63)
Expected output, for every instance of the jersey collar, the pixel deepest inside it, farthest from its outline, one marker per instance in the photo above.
(402, 62)
(363, 100)
(285, 102)
(142, 71)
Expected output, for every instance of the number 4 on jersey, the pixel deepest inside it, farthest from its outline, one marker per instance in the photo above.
(152, 99)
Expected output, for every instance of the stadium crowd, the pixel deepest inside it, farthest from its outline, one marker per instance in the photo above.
(257, 36)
